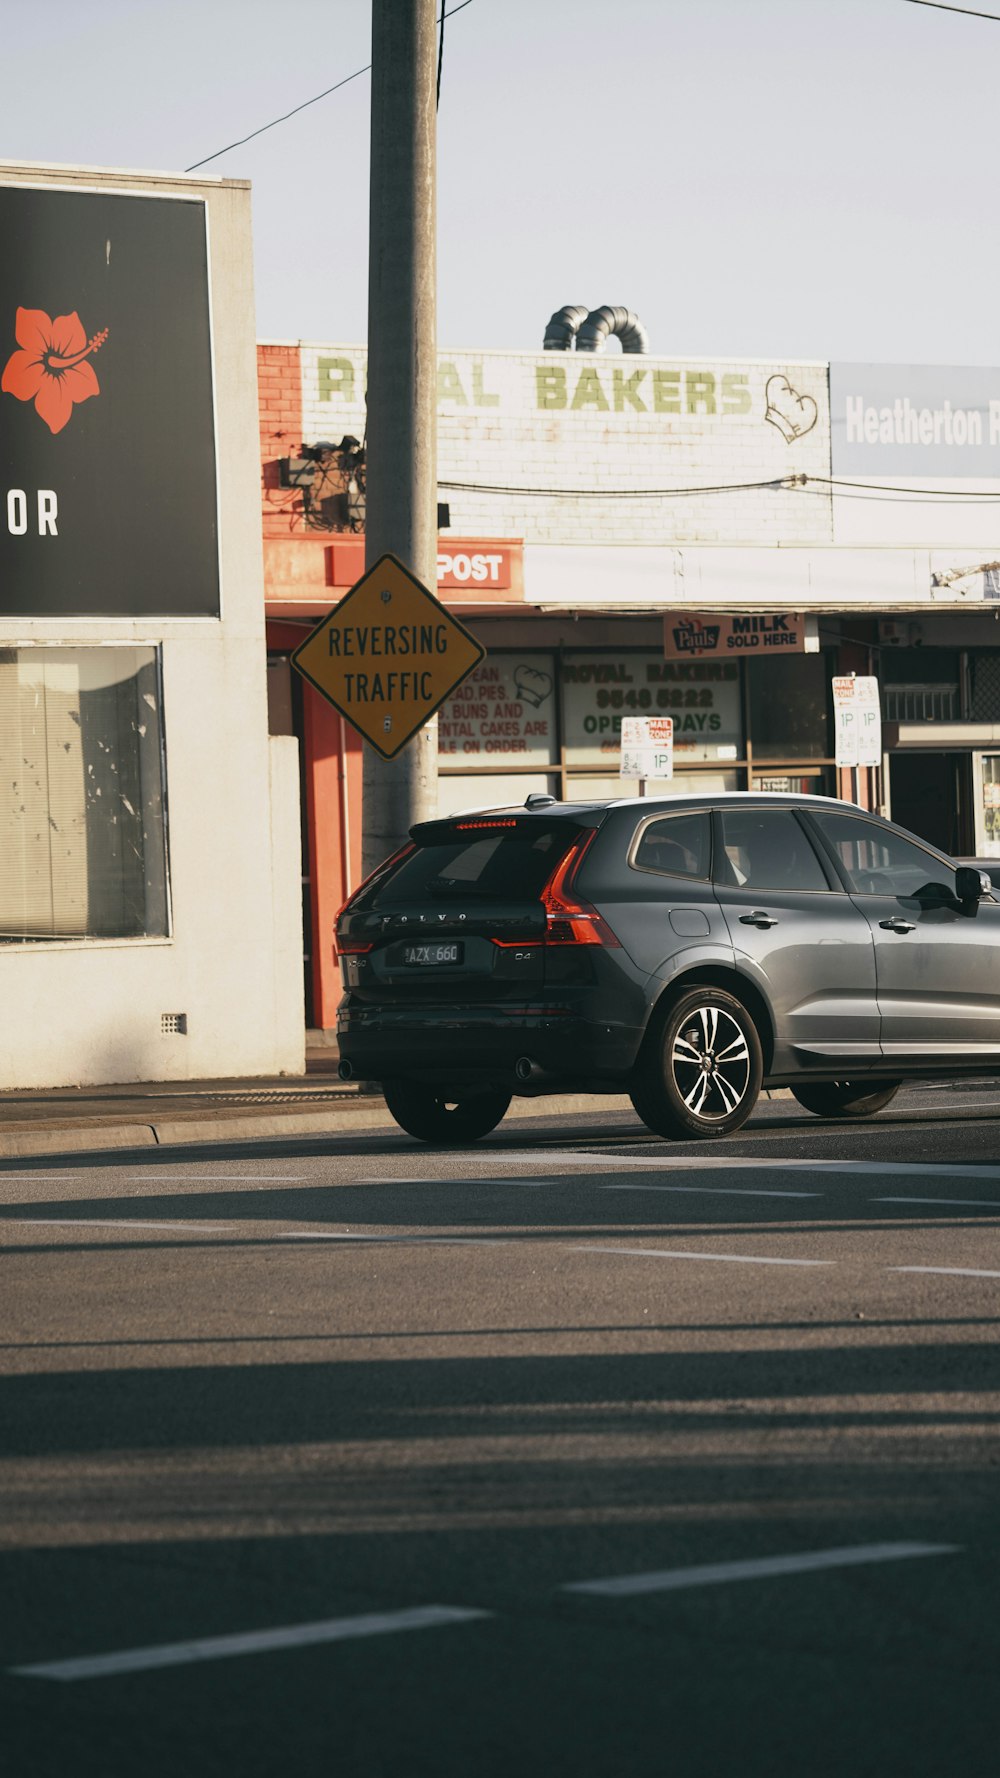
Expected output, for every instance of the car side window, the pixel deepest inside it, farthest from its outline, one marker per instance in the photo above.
(767, 849)
(676, 846)
(880, 861)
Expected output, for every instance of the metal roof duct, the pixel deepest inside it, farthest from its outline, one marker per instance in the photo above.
(594, 333)
(562, 329)
(590, 331)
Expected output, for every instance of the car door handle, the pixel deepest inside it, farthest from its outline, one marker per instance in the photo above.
(758, 918)
(897, 925)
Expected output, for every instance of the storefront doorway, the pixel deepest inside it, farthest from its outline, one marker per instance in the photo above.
(931, 794)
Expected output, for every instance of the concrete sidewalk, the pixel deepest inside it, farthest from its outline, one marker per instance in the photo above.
(78, 1120)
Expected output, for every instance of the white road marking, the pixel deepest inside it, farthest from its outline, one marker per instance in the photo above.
(217, 1648)
(537, 1159)
(153, 1178)
(712, 1574)
(734, 1259)
(398, 1240)
(946, 1271)
(120, 1222)
(414, 1179)
(244, 1228)
(980, 1203)
(948, 1086)
(712, 1191)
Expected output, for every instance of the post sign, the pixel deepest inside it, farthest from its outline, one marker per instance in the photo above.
(108, 506)
(647, 747)
(388, 656)
(857, 720)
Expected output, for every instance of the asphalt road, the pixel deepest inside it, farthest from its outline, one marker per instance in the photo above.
(574, 1452)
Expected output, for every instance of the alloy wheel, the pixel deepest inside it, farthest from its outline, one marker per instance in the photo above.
(710, 1062)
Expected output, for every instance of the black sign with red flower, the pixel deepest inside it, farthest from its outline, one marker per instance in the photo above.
(107, 429)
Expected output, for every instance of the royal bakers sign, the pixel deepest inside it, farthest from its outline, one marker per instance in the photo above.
(388, 656)
(107, 428)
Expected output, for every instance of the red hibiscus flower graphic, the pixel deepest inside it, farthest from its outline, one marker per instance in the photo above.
(50, 368)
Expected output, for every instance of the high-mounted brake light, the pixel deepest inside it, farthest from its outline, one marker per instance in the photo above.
(569, 920)
(465, 826)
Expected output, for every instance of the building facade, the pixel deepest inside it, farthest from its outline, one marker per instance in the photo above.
(713, 540)
(150, 923)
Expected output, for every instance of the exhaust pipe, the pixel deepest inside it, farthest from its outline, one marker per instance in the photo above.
(346, 1070)
(525, 1069)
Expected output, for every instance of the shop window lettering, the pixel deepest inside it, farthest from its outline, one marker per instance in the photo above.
(654, 672)
(665, 698)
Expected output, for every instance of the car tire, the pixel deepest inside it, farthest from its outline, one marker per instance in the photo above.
(701, 1070)
(435, 1115)
(842, 1098)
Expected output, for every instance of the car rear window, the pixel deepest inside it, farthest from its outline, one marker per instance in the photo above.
(677, 845)
(503, 863)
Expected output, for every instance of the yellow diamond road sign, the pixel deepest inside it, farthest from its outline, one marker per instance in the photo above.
(387, 656)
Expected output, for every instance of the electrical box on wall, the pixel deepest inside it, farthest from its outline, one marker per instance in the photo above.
(899, 633)
(295, 472)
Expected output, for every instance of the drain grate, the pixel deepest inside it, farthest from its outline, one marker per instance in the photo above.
(265, 1097)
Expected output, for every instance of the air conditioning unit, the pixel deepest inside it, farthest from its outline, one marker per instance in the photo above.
(899, 633)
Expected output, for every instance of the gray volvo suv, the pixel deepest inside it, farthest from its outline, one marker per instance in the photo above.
(687, 951)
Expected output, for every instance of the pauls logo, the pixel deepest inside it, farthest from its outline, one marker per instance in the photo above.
(696, 637)
(50, 366)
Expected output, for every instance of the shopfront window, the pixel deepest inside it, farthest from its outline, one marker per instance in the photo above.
(502, 715)
(703, 697)
(989, 813)
(921, 685)
(543, 720)
(82, 830)
(788, 706)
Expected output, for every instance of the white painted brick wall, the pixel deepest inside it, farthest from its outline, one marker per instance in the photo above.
(495, 428)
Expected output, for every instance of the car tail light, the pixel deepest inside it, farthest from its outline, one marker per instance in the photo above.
(569, 920)
(352, 947)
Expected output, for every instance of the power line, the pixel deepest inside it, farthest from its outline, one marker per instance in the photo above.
(897, 497)
(817, 485)
(918, 493)
(939, 6)
(324, 95)
(608, 493)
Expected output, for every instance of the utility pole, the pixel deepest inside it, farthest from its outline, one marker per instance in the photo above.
(401, 462)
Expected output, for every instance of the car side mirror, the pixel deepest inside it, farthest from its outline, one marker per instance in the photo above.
(971, 884)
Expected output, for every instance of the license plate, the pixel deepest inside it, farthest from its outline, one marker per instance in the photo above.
(441, 953)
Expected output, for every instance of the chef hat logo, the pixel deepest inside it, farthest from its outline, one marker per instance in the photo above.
(792, 413)
(531, 685)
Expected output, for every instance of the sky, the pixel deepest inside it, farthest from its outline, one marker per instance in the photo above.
(790, 179)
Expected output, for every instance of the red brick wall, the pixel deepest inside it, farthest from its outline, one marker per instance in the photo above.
(279, 379)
